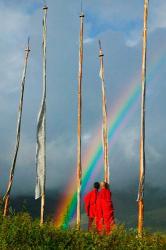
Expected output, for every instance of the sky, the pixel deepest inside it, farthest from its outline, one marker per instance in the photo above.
(118, 24)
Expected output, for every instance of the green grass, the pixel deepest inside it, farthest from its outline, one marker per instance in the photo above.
(19, 231)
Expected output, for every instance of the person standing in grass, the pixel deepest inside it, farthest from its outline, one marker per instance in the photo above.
(90, 200)
(105, 212)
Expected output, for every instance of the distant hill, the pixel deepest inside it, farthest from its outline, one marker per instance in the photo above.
(155, 207)
(28, 203)
(124, 203)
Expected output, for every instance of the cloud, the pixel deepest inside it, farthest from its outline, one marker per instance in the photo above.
(86, 137)
(119, 25)
(133, 38)
(14, 29)
(125, 17)
(157, 15)
(129, 143)
(88, 40)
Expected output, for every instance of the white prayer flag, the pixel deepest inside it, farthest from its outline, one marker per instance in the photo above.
(40, 151)
(41, 128)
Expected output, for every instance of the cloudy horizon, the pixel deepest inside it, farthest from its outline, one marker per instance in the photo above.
(119, 26)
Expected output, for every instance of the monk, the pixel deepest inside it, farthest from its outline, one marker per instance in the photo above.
(90, 204)
(105, 211)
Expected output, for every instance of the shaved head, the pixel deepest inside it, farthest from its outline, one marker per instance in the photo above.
(102, 184)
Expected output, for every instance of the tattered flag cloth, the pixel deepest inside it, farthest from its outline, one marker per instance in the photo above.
(142, 173)
(104, 125)
(143, 107)
(141, 188)
(40, 152)
(41, 129)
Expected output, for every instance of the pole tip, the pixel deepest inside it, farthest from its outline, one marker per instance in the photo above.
(28, 46)
(99, 44)
(100, 48)
(45, 7)
(82, 15)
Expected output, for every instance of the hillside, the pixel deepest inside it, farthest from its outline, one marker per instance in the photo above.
(124, 202)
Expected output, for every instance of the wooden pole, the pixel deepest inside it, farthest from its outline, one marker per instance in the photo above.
(79, 159)
(45, 9)
(42, 209)
(12, 170)
(142, 132)
(104, 110)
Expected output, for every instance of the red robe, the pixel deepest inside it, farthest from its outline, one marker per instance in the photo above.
(105, 211)
(90, 203)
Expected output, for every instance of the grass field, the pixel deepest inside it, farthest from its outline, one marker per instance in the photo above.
(20, 231)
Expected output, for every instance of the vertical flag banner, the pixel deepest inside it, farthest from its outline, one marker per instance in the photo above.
(41, 130)
(104, 124)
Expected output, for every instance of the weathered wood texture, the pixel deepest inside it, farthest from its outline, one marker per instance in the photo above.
(142, 132)
(79, 158)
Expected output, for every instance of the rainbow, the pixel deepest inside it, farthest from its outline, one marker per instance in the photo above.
(92, 163)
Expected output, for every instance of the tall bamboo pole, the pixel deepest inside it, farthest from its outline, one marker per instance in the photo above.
(45, 9)
(104, 111)
(142, 132)
(12, 170)
(79, 158)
